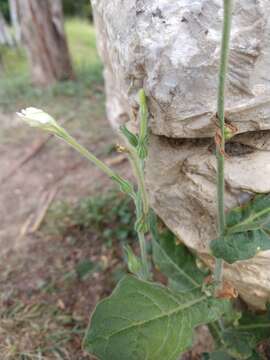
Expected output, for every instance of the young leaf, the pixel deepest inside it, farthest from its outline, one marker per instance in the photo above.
(176, 262)
(133, 262)
(142, 320)
(247, 233)
(132, 138)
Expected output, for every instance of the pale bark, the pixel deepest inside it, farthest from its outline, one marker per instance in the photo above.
(44, 38)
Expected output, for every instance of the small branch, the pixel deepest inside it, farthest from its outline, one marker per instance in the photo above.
(225, 49)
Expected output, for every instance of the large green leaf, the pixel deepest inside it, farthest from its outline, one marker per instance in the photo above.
(248, 231)
(175, 261)
(143, 320)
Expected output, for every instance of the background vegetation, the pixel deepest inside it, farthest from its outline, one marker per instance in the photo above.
(71, 8)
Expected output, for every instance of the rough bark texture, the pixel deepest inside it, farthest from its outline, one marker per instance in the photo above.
(44, 38)
(172, 49)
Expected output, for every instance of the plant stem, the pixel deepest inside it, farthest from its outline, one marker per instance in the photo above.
(145, 267)
(137, 165)
(138, 171)
(125, 186)
(225, 49)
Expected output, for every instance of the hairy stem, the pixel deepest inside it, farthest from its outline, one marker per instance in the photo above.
(225, 49)
(145, 267)
(124, 185)
(137, 165)
(138, 170)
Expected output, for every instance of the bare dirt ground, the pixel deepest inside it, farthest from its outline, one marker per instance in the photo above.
(46, 292)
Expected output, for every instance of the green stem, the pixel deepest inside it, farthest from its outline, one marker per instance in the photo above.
(225, 49)
(216, 334)
(145, 267)
(137, 165)
(143, 115)
(124, 185)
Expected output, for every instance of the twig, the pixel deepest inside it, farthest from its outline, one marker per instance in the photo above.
(43, 210)
(34, 221)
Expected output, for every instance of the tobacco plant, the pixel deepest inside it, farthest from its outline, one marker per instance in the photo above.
(146, 320)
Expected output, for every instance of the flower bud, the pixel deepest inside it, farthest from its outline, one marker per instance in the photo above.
(134, 264)
(38, 118)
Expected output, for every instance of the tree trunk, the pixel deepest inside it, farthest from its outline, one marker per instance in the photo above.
(172, 49)
(14, 15)
(5, 36)
(43, 35)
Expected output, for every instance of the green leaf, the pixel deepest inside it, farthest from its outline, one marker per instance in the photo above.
(241, 341)
(223, 355)
(143, 320)
(176, 262)
(217, 355)
(247, 233)
(84, 268)
(257, 325)
(239, 344)
(132, 138)
(133, 262)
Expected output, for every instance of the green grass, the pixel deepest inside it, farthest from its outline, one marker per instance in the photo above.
(15, 80)
(110, 216)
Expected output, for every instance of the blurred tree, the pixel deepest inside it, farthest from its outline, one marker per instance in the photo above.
(70, 7)
(42, 28)
(14, 16)
(4, 9)
(5, 36)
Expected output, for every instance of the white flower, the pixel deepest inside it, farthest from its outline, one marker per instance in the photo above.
(37, 118)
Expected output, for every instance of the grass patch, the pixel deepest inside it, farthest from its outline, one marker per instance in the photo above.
(109, 216)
